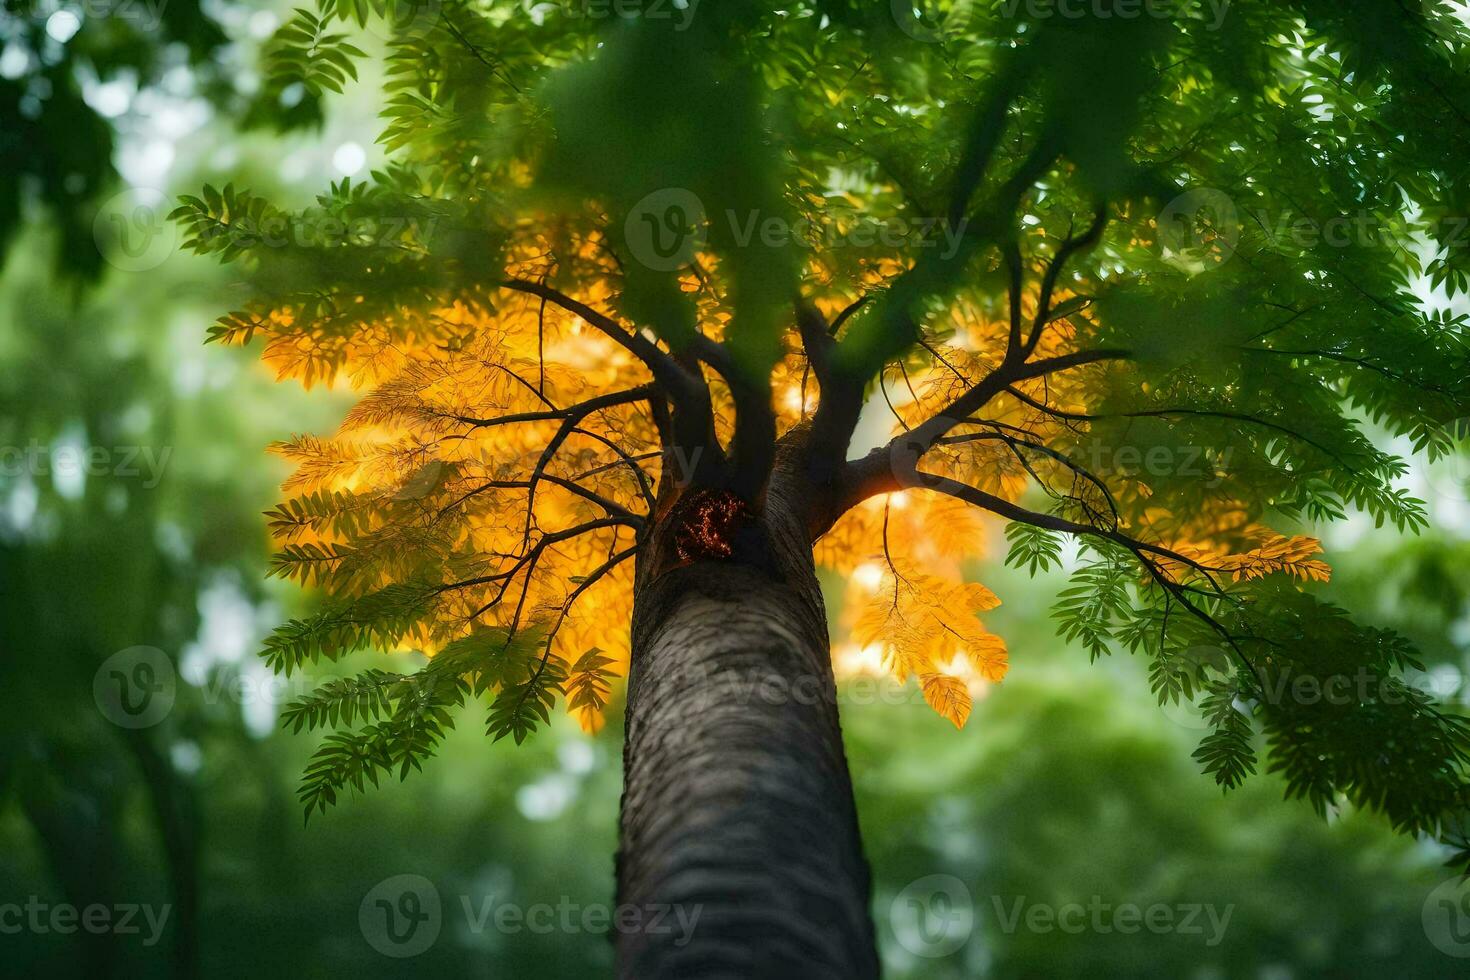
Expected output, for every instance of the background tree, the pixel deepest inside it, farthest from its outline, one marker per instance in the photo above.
(602, 373)
(57, 147)
(75, 520)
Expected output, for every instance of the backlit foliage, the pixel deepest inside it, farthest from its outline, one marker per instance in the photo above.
(984, 235)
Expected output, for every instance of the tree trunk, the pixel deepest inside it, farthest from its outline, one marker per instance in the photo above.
(176, 810)
(738, 814)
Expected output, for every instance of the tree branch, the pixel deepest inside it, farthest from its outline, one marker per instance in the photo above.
(875, 342)
(1054, 269)
(575, 413)
(861, 479)
(1196, 412)
(693, 413)
(912, 476)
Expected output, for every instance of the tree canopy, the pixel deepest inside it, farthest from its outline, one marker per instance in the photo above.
(1170, 282)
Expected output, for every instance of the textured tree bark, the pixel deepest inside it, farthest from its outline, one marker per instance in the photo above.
(737, 803)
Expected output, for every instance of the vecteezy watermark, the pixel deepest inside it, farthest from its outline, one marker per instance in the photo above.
(1197, 662)
(132, 230)
(935, 916)
(681, 12)
(1449, 476)
(123, 919)
(319, 229)
(1363, 686)
(1446, 917)
(138, 687)
(1445, 684)
(135, 688)
(933, 22)
(403, 19)
(1207, 464)
(708, 687)
(1211, 12)
(567, 916)
(679, 462)
(1203, 919)
(1202, 462)
(665, 229)
(67, 460)
(846, 230)
(145, 15)
(1202, 228)
(403, 916)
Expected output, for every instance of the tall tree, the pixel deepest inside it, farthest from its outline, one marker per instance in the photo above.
(1152, 278)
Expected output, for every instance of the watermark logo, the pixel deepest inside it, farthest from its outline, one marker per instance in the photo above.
(681, 12)
(1197, 662)
(1446, 917)
(1199, 229)
(401, 916)
(1449, 476)
(680, 462)
(318, 229)
(1210, 12)
(424, 481)
(135, 688)
(665, 229)
(69, 462)
(676, 921)
(1205, 463)
(906, 450)
(1205, 920)
(144, 15)
(124, 919)
(933, 916)
(1443, 684)
(403, 20)
(927, 25)
(132, 232)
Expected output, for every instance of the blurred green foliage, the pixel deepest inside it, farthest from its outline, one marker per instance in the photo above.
(1067, 783)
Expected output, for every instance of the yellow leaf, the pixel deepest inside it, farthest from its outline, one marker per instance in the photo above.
(947, 695)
